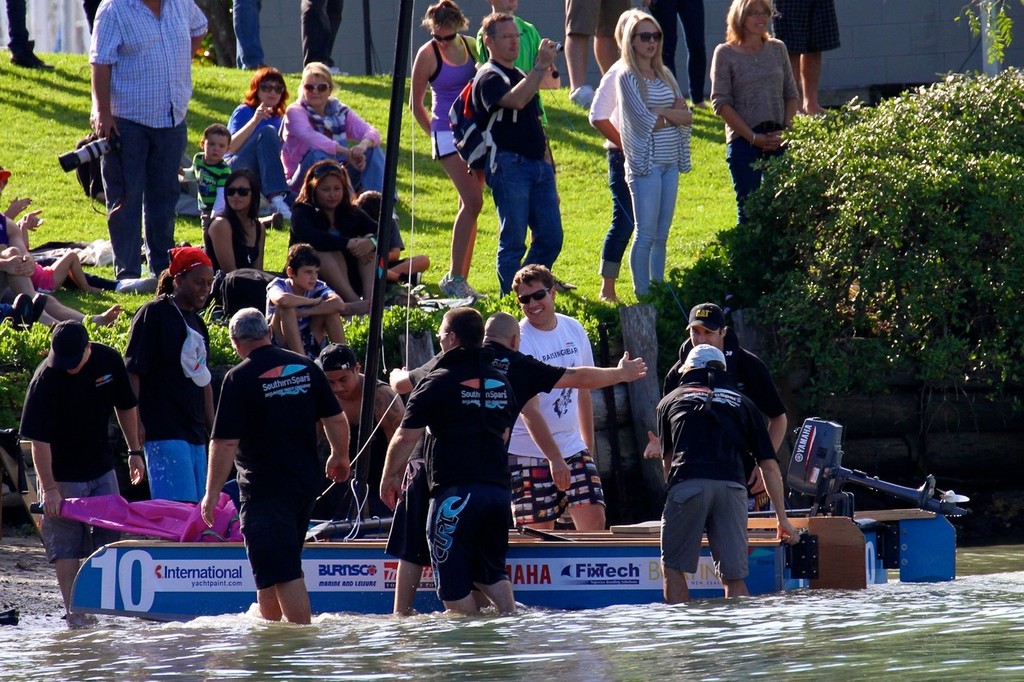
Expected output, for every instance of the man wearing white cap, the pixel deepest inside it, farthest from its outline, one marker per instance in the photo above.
(67, 411)
(707, 429)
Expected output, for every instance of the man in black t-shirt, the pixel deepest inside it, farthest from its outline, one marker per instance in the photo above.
(708, 430)
(470, 408)
(266, 420)
(66, 414)
(522, 175)
(528, 377)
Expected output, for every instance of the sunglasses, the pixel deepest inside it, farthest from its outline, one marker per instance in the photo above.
(240, 191)
(326, 169)
(316, 87)
(444, 39)
(272, 87)
(648, 36)
(535, 296)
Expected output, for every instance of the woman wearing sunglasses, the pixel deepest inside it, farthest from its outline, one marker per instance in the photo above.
(236, 237)
(446, 63)
(753, 90)
(255, 140)
(318, 127)
(655, 142)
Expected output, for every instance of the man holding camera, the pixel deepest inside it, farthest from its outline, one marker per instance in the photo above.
(522, 178)
(141, 58)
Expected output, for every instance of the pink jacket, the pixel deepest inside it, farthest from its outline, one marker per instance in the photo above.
(298, 136)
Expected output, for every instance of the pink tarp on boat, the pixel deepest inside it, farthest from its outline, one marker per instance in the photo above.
(178, 521)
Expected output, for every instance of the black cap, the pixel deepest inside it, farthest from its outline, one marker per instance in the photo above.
(707, 315)
(67, 345)
(336, 356)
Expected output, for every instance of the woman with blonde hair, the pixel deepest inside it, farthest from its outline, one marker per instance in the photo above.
(753, 90)
(319, 127)
(655, 132)
(446, 63)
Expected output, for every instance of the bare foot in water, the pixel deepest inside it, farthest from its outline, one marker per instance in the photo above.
(107, 318)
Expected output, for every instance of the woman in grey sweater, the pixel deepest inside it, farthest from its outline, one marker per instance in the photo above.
(753, 90)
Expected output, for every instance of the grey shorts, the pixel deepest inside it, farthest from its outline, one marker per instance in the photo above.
(593, 17)
(66, 539)
(720, 507)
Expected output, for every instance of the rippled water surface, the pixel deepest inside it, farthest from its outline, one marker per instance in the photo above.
(972, 628)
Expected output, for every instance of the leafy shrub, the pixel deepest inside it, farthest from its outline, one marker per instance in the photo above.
(889, 240)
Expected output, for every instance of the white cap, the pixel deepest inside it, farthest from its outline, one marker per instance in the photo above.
(703, 355)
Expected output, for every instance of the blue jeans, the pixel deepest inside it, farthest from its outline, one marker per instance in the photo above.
(17, 28)
(654, 203)
(246, 17)
(141, 181)
(741, 157)
(176, 470)
(525, 196)
(691, 12)
(262, 154)
(621, 229)
(371, 177)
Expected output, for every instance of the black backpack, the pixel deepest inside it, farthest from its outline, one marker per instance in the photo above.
(471, 129)
(242, 288)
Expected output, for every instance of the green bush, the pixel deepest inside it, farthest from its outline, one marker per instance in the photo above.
(888, 241)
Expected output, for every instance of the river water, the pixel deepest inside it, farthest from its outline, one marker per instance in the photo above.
(971, 628)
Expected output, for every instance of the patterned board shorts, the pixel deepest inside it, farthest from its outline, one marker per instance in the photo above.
(535, 499)
(807, 25)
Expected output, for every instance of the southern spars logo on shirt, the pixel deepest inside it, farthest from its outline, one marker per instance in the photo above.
(494, 393)
(285, 380)
(104, 379)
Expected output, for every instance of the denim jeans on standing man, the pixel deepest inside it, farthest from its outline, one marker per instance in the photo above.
(246, 17)
(524, 196)
(654, 204)
(621, 229)
(141, 179)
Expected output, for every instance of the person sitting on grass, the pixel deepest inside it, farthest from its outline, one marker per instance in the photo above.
(17, 266)
(399, 269)
(211, 171)
(236, 237)
(303, 312)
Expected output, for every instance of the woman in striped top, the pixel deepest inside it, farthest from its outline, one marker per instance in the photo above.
(655, 140)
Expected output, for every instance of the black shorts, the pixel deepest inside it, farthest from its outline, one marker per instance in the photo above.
(408, 537)
(807, 25)
(468, 535)
(275, 532)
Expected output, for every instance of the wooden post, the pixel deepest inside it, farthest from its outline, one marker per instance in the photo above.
(640, 339)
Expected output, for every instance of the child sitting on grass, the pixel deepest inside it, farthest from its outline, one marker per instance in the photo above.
(211, 171)
(399, 269)
(303, 312)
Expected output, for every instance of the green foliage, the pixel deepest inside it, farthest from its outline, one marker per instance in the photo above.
(891, 240)
(999, 25)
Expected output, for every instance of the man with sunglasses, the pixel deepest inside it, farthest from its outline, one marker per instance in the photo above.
(521, 174)
(556, 340)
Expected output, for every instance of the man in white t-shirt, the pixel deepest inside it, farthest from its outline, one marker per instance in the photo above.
(556, 340)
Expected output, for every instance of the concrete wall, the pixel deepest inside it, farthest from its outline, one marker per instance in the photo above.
(883, 41)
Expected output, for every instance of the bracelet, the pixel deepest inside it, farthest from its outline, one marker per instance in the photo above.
(753, 139)
(135, 453)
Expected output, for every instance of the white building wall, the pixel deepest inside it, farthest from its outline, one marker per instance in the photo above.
(883, 41)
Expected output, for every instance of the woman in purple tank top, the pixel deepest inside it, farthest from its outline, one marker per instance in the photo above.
(446, 64)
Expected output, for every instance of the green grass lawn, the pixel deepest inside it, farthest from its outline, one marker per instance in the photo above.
(45, 112)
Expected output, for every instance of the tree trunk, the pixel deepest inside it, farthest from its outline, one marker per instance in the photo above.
(221, 31)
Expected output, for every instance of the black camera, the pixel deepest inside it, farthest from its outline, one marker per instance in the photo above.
(89, 151)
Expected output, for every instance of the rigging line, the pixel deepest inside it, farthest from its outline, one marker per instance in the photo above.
(412, 203)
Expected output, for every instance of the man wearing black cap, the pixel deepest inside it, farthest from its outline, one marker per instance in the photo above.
(67, 410)
(344, 374)
(709, 433)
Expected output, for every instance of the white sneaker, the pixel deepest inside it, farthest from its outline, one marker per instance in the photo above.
(279, 205)
(458, 287)
(582, 96)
